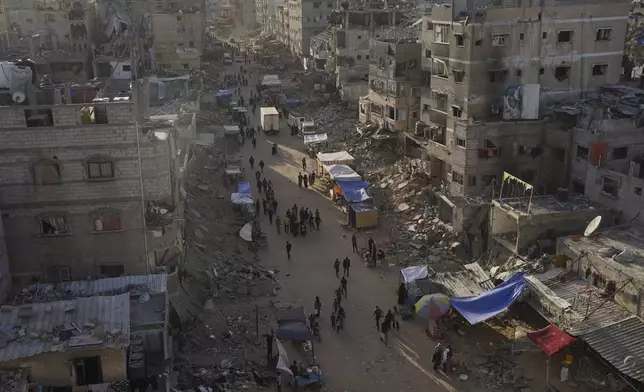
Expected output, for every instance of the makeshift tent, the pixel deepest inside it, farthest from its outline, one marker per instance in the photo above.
(317, 138)
(361, 215)
(224, 94)
(410, 274)
(354, 191)
(342, 172)
(432, 306)
(271, 81)
(492, 302)
(238, 198)
(331, 158)
(293, 102)
(292, 325)
(551, 339)
(231, 129)
(243, 187)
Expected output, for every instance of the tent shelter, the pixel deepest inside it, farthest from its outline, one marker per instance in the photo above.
(293, 326)
(353, 191)
(334, 158)
(342, 172)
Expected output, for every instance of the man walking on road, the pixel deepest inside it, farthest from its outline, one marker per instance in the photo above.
(377, 314)
(343, 285)
(261, 165)
(270, 215)
(346, 264)
(370, 242)
(318, 220)
(251, 160)
(254, 141)
(336, 267)
(288, 249)
(318, 305)
(354, 243)
(278, 223)
(304, 164)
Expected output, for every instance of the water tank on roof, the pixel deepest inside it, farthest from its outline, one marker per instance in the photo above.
(5, 74)
(20, 78)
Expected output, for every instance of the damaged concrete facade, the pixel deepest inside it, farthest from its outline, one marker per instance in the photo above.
(491, 74)
(344, 52)
(57, 35)
(88, 192)
(307, 18)
(395, 76)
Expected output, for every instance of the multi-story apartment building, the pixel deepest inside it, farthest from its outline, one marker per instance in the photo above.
(395, 76)
(494, 70)
(343, 50)
(55, 34)
(307, 18)
(90, 189)
(282, 26)
(245, 12)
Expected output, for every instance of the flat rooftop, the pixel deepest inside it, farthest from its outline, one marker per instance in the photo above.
(547, 204)
(605, 244)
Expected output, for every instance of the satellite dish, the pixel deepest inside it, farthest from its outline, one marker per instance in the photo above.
(18, 97)
(592, 226)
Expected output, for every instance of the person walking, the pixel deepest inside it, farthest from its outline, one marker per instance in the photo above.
(377, 314)
(299, 180)
(288, 249)
(274, 203)
(437, 356)
(278, 224)
(318, 306)
(343, 285)
(257, 207)
(346, 264)
(254, 141)
(304, 163)
(251, 161)
(287, 224)
(370, 243)
(270, 215)
(269, 345)
(354, 243)
(318, 220)
(265, 185)
(336, 267)
(305, 179)
(384, 330)
(261, 165)
(264, 204)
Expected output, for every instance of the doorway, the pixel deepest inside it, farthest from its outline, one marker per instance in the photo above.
(88, 371)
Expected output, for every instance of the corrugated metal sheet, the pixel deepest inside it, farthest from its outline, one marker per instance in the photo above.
(471, 281)
(30, 330)
(621, 344)
(156, 284)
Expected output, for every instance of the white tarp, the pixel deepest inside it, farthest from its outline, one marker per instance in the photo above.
(231, 129)
(416, 272)
(282, 359)
(317, 138)
(205, 139)
(238, 198)
(328, 158)
(342, 172)
(271, 80)
(246, 232)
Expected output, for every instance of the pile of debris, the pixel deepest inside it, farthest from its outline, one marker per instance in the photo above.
(498, 371)
(13, 381)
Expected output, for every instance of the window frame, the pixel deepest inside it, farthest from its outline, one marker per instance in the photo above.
(100, 161)
(572, 36)
(500, 39)
(53, 215)
(106, 212)
(604, 29)
(441, 33)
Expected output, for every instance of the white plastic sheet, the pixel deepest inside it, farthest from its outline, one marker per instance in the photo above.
(416, 272)
(246, 232)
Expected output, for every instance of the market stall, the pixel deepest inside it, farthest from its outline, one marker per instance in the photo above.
(362, 215)
(334, 158)
(339, 172)
(313, 143)
(223, 97)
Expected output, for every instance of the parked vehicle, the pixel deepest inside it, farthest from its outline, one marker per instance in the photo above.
(228, 59)
(270, 120)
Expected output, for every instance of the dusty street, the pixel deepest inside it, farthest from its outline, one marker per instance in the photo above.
(355, 359)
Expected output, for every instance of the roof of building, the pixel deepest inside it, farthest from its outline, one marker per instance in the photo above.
(622, 345)
(470, 281)
(607, 243)
(58, 326)
(134, 284)
(547, 204)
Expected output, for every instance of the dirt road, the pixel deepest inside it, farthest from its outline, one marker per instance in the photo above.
(355, 359)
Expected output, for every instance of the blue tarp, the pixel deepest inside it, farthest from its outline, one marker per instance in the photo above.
(490, 303)
(243, 188)
(293, 102)
(225, 94)
(292, 325)
(354, 191)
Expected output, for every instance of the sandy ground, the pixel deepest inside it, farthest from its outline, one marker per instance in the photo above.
(355, 359)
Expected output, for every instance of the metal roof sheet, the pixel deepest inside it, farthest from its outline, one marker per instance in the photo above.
(471, 281)
(29, 330)
(153, 284)
(621, 344)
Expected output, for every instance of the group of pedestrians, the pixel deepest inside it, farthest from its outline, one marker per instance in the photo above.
(299, 222)
(390, 322)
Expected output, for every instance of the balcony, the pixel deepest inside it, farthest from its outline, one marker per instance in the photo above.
(438, 118)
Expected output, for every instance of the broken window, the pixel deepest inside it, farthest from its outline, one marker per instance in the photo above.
(107, 221)
(459, 39)
(457, 178)
(562, 73)
(100, 169)
(599, 69)
(459, 75)
(499, 39)
(610, 187)
(316, 4)
(519, 73)
(88, 371)
(521, 36)
(439, 69)
(564, 36)
(456, 111)
(440, 34)
(604, 34)
(460, 142)
(112, 270)
(638, 191)
(542, 71)
(358, 57)
(54, 225)
(47, 172)
(39, 118)
(498, 76)
(126, 68)
(544, 35)
(430, 26)
(440, 101)
(93, 115)
(620, 152)
(582, 152)
(428, 54)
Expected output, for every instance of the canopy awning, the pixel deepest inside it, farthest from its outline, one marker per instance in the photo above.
(317, 138)
(243, 187)
(339, 157)
(292, 325)
(492, 302)
(551, 339)
(354, 191)
(342, 172)
(231, 129)
(228, 94)
(240, 198)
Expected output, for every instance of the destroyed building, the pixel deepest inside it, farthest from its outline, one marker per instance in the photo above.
(245, 12)
(395, 76)
(56, 35)
(282, 26)
(307, 18)
(343, 50)
(491, 75)
(604, 149)
(89, 187)
(90, 334)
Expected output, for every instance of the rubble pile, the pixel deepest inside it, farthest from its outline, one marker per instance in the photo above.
(12, 381)
(498, 371)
